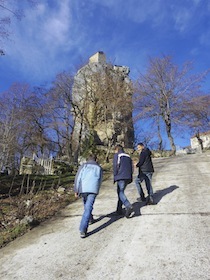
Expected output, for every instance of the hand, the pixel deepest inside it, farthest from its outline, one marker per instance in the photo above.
(76, 195)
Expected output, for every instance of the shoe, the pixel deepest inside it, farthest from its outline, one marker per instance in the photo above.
(128, 211)
(82, 234)
(141, 199)
(150, 201)
(91, 221)
(119, 212)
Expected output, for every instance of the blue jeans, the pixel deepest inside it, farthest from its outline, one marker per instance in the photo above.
(88, 201)
(147, 177)
(122, 199)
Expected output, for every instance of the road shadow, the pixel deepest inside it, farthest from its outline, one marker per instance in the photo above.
(157, 197)
(161, 193)
(113, 218)
(136, 207)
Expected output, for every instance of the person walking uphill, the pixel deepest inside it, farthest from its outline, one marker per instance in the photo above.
(123, 171)
(86, 185)
(145, 173)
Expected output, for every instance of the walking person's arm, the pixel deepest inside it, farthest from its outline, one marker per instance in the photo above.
(115, 165)
(141, 160)
(77, 181)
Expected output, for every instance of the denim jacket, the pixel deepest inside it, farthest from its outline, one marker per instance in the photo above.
(88, 178)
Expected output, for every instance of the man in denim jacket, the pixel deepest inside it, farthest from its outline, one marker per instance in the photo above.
(86, 185)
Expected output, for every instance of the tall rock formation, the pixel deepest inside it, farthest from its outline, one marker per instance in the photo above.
(102, 98)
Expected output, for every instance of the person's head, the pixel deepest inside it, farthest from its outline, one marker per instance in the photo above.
(140, 147)
(92, 156)
(118, 148)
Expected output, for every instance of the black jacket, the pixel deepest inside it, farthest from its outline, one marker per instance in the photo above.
(122, 167)
(145, 161)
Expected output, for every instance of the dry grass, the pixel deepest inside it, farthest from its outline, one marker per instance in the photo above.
(26, 201)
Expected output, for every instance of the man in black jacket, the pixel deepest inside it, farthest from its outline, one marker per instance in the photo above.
(146, 171)
(122, 171)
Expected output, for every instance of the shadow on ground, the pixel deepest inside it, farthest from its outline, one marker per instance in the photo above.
(113, 218)
(161, 193)
(157, 198)
(137, 209)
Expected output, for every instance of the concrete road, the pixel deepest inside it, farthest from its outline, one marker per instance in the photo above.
(169, 240)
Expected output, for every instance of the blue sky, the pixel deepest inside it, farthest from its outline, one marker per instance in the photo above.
(61, 35)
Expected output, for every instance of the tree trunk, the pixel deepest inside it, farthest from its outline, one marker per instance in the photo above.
(168, 131)
(200, 141)
(160, 144)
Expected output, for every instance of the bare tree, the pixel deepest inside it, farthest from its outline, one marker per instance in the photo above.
(9, 11)
(115, 95)
(34, 115)
(84, 111)
(196, 115)
(60, 107)
(164, 91)
(22, 125)
(7, 136)
(10, 125)
(152, 137)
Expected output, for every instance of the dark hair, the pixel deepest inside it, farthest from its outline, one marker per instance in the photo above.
(92, 157)
(140, 144)
(119, 148)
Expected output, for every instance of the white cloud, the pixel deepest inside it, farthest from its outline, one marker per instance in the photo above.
(197, 2)
(182, 18)
(205, 39)
(50, 35)
(57, 24)
(136, 10)
(194, 52)
(159, 13)
(43, 35)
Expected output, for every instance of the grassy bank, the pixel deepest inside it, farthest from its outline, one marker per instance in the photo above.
(27, 200)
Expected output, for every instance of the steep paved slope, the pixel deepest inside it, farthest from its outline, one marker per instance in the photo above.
(169, 240)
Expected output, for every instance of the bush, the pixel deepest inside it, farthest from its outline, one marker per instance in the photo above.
(61, 167)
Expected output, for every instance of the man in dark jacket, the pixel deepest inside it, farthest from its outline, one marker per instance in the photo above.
(123, 171)
(145, 173)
